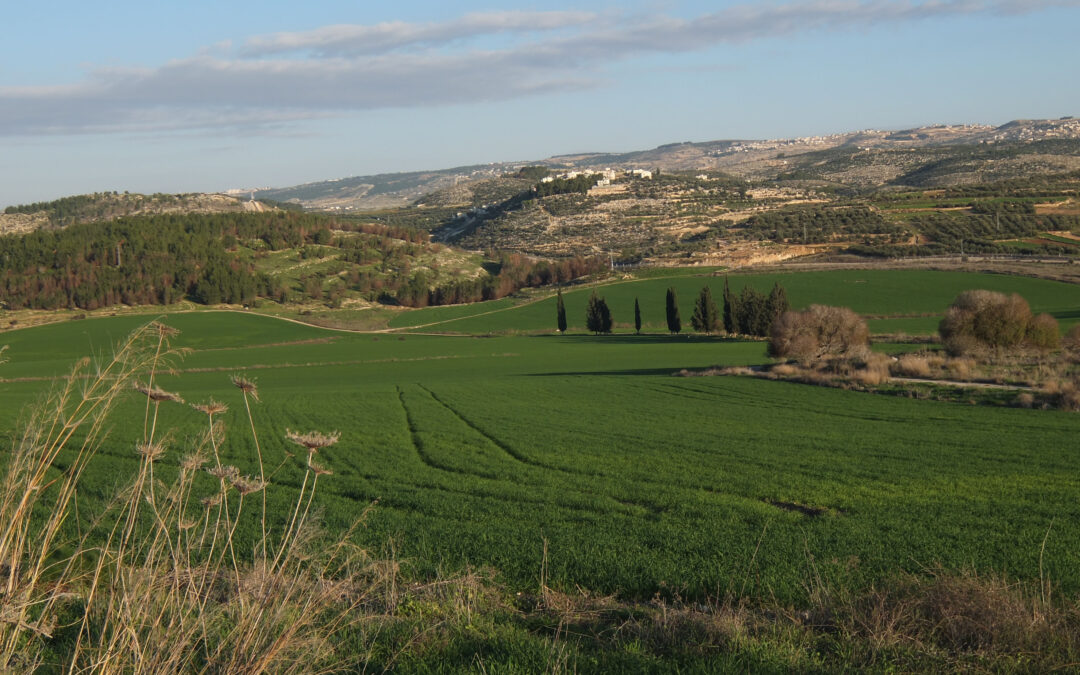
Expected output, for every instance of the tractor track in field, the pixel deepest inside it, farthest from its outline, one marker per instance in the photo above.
(513, 454)
(418, 445)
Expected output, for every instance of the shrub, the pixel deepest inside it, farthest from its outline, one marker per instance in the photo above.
(912, 365)
(817, 332)
(1042, 333)
(984, 320)
(1071, 342)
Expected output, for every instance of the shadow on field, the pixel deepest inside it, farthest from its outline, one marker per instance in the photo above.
(1066, 314)
(655, 339)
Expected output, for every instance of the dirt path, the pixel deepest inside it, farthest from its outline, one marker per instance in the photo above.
(965, 385)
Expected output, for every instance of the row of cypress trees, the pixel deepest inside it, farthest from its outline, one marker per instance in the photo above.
(748, 313)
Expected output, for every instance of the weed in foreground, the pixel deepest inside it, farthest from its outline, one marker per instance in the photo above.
(157, 582)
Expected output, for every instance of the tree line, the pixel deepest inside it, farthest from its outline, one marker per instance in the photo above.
(749, 312)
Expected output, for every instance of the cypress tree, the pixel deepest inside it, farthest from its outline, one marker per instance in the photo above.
(674, 323)
(753, 317)
(705, 319)
(731, 310)
(777, 304)
(560, 311)
(597, 315)
(637, 317)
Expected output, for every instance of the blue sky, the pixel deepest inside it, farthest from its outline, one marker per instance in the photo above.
(162, 96)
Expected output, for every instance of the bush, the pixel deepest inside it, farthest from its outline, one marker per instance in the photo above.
(817, 332)
(913, 365)
(1071, 342)
(1042, 333)
(984, 320)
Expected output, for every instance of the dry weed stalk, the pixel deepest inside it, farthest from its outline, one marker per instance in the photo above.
(156, 580)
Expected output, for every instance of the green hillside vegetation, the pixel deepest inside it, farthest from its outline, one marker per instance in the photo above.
(239, 258)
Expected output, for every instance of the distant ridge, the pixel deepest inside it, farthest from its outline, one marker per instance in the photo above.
(751, 159)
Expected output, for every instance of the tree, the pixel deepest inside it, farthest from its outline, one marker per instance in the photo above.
(706, 317)
(674, 323)
(560, 311)
(982, 320)
(817, 332)
(731, 310)
(753, 319)
(597, 315)
(776, 305)
(637, 317)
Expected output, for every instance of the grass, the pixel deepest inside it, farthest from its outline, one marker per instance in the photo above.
(877, 293)
(664, 483)
(770, 518)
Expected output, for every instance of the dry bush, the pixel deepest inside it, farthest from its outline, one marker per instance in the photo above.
(785, 369)
(1071, 342)
(961, 615)
(817, 332)
(960, 368)
(983, 321)
(1043, 334)
(1025, 399)
(872, 369)
(912, 365)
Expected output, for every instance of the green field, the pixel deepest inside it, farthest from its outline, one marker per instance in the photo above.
(903, 301)
(480, 449)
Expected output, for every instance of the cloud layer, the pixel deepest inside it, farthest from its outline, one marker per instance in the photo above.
(284, 77)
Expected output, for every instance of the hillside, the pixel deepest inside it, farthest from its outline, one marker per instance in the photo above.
(105, 206)
(863, 158)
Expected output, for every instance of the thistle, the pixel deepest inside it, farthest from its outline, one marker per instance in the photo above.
(157, 394)
(319, 469)
(245, 485)
(151, 451)
(211, 407)
(312, 440)
(245, 385)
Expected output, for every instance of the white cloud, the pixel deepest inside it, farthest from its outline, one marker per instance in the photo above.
(285, 77)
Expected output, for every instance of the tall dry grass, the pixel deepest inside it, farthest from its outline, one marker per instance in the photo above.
(157, 581)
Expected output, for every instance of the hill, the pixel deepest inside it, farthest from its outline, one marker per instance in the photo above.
(878, 162)
(105, 206)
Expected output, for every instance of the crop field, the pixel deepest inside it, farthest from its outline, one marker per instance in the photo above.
(910, 301)
(481, 449)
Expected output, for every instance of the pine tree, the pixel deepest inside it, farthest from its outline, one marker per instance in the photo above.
(560, 311)
(597, 315)
(637, 317)
(674, 323)
(731, 310)
(706, 317)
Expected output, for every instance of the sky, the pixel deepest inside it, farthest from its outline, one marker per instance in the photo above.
(161, 96)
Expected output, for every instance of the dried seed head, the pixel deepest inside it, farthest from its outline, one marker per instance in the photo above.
(164, 330)
(245, 385)
(151, 451)
(211, 407)
(192, 462)
(157, 394)
(187, 524)
(211, 501)
(245, 485)
(228, 473)
(312, 440)
(319, 469)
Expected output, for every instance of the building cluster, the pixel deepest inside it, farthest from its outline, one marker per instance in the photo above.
(606, 175)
